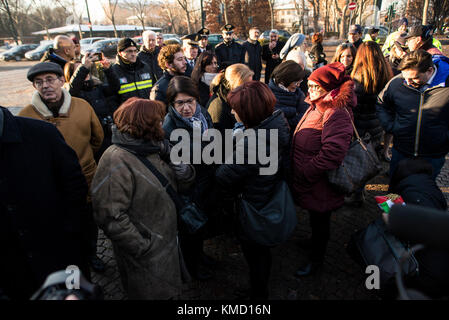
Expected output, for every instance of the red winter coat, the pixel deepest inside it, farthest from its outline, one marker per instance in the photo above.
(320, 143)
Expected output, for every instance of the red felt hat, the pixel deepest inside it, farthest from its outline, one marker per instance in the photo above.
(330, 76)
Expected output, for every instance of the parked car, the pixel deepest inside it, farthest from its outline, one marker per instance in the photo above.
(85, 43)
(264, 38)
(36, 54)
(215, 39)
(171, 38)
(17, 52)
(383, 34)
(107, 46)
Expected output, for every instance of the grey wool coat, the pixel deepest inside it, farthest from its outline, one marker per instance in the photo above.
(137, 214)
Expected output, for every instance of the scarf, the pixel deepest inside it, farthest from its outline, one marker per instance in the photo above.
(197, 119)
(208, 77)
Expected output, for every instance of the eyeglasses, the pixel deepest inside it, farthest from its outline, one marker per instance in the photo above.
(181, 103)
(130, 51)
(314, 87)
(40, 83)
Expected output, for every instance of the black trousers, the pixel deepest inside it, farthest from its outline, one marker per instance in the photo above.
(320, 224)
(259, 261)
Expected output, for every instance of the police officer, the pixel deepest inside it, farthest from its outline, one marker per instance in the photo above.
(136, 78)
(204, 41)
(190, 44)
(229, 51)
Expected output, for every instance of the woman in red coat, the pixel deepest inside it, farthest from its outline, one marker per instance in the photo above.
(320, 143)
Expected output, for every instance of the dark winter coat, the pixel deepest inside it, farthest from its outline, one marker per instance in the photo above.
(365, 117)
(245, 179)
(136, 79)
(51, 56)
(200, 193)
(42, 196)
(204, 90)
(150, 58)
(230, 53)
(419, 121)
(253, 57)
(320, 143)
(290, 103)
(219, 109)
(267, 56)
(159, 91)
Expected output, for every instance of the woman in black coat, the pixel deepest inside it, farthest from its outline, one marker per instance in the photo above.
(184, 112)
(203, 73)
(100, 95)
(246, 180)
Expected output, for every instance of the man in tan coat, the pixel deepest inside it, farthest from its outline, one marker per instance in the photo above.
(73, 117)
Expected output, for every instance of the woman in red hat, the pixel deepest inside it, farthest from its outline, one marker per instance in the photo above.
(320, 143)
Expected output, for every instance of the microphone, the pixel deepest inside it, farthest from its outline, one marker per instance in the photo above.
(419, 224)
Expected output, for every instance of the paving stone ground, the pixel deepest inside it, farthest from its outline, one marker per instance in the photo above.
(341, 279)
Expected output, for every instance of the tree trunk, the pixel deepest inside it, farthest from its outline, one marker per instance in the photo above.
(424, 13)
(303, 27)
(189, 25)
(316, 16)
(343, 21)
(113, 25)
(12, 26)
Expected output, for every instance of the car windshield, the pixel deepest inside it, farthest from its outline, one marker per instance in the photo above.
(85, 41)
(43, 47)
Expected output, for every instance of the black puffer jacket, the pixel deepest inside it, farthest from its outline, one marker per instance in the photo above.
(150, 58)
(365, 117)
(159, 91)
(245, 179)
(201, 192)
(290, 103)
(253, 57)
(136, 79)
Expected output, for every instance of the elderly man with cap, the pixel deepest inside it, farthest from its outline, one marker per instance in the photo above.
(204, 41)
(253, 52)
(421, 37)
(190, 45)
(149, 52)
(355, 35)
(403, 24)
(229, 51)
(372, 34)
(136, 77)
(74, 118)
(270, 54)
(63, 51)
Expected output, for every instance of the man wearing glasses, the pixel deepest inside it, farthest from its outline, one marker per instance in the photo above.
(136, 77)
(229, 51)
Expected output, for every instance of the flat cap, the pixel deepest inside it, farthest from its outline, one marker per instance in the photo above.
(204, 32)
(228, 28)
(44, 67)
(355, 28)
(125, 43)
(425, 32)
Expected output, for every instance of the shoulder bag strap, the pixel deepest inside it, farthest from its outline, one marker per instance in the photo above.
(355, 131)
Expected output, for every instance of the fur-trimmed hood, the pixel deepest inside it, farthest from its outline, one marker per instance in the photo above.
(343, 96)
(43, 110)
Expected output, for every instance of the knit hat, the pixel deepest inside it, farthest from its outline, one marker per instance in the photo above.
(125, 43)
(330, 76)
(44, 67)
(295, 40)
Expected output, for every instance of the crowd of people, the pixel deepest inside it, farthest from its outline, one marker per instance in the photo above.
(93, 149)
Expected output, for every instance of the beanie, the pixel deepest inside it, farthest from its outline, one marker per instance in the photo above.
(330, 76)
(125, 43)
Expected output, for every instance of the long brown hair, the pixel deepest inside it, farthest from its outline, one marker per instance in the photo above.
(204, 60)
(371, 69)
(341, 48)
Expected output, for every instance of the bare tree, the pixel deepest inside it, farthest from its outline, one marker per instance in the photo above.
(300, 11)
(17, 12)
(316, 13)
(271, 3)
(109, 10)
(185, 6)
(140, 9)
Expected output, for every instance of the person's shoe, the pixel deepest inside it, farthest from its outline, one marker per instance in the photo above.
(308, 269)
(97, 264)
(208, 260)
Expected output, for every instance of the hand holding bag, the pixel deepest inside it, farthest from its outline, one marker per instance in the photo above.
(359, 165)
(274, 223)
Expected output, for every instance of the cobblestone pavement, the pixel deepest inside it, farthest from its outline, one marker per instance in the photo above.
(341, 279)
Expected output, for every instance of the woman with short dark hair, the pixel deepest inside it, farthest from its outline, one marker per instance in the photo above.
(253, 104)
(203, 73)
(133, 208)
(184, 112)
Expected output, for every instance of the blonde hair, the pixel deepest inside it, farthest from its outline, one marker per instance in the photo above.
(235, 74)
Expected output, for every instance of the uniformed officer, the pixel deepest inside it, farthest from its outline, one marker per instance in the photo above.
(190, 44)
(229, 51)
(136, 78)
(204, 41)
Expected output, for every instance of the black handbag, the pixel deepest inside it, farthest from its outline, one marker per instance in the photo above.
(274, 223)
(376, 246)
(191, 217)
(359, 165)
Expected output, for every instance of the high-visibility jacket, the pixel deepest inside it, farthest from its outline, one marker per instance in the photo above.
(368, 38)
(136, 79)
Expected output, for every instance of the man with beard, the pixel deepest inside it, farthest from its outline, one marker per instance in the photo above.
(413, 107)
(136, 78)
(171, 59)
(149, 52)
(253, 52)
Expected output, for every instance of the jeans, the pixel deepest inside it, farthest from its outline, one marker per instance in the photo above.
(437, 163)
